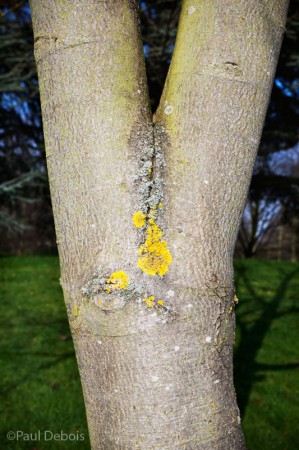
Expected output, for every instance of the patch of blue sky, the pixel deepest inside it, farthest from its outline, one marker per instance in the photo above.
(285, 162)
(146, 49)
(143, 5)
(283, 86)
(11, 101)
(24, 17)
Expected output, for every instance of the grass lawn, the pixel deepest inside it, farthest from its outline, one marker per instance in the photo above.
(267, 353)
(40, 387)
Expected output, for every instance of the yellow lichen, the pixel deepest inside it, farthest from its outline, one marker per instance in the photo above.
(236, 300)
(138, 219)
(154, 256)
(160, 303)
(76, 310)
(160, 205)
(117, 280)
(149, 301)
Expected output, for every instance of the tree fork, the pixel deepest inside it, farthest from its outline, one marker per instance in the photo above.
(151, 308)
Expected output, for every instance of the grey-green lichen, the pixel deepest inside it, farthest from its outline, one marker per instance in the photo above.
(116, 282)
(118, 288)
(149, 175)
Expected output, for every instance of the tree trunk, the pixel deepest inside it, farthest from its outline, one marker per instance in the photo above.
(147, 209)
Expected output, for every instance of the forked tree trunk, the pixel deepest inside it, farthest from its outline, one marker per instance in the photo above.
(150, 300)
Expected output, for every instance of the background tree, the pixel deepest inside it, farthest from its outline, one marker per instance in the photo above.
(269, 224)
(260, 217)
(147, 208)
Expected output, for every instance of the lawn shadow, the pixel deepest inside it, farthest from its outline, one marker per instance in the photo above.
(247, 369)
(29, 361)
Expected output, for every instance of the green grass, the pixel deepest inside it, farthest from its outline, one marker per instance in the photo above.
(266, 355)
(39, 376)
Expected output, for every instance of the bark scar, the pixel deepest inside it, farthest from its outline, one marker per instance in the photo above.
(154, 256)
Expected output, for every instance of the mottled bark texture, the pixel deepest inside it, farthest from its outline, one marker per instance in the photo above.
(150, 300)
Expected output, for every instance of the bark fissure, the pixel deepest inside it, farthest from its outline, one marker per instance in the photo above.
(153, 170)
(154, 255)
(149, 177)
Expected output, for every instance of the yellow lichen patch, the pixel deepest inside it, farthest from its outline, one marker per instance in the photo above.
(160, 205)
(160, 303)
(236, 300)
(138, 219)
(150, 301)
(76, 310)
(154, 256)
(117, 280)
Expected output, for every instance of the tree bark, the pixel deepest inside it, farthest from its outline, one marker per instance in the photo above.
(147, 209)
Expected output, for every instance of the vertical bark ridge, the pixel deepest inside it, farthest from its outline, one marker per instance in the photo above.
(213, 108)
(93, 91)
